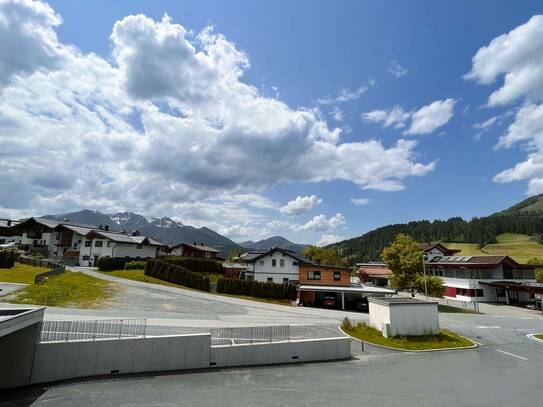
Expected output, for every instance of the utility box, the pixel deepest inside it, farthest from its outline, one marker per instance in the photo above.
(402, 316)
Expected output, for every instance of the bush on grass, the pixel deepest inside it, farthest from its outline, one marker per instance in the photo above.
(7, 259)
(196, 264)
(256, 289)
(177, 274)
(135, 265)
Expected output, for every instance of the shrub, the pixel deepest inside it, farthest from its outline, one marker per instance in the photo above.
(255, 288)
(177, 274)
(135, 265)
(198, 265)
(7, 259)
(111, 263)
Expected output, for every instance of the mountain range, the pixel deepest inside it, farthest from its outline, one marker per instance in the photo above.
(275, 241)
(172, 232)
(164, 229)
(524, 218)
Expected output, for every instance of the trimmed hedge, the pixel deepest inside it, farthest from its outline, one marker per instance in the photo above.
(256, 288)
(196, 264)
(111, 263)
(7, 259)
(135, 265)
(174, 273)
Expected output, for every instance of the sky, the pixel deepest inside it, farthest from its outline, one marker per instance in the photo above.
(314, 120)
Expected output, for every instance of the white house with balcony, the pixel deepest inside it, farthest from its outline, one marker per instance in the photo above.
(275, 266)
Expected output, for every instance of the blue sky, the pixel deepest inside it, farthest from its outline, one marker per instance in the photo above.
(330, 59)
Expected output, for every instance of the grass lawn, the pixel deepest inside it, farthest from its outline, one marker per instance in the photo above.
(519, 247)
(452, 310)
(21, 273)
(66, 289)
(446, 339)
(539, 336)
(138, 275)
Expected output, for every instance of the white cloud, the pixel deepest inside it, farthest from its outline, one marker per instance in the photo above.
(396, 70)
(337, 114)
(485, 126)
(360, 201)
(431, 117)
(325, 239)
(165, 126)
(518, 55)
(345, 95)
(395, 117)
(28, 41)
(301, 205)
(321, 223)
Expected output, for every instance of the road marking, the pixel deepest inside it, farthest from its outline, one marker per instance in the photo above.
(489, 327)
(512, 354)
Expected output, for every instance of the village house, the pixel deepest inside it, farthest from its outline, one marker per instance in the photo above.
(83, 245)
(194, 250)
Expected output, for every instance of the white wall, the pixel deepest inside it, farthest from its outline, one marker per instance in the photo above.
(113, 249)
(405, 319)
(264, 271)
(66, 360)
(308, 350)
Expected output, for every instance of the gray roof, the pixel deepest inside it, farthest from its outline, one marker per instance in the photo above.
(200, 247)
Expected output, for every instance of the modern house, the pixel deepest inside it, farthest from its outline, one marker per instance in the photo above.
(77, 244)
(194, 250)
(485, 278)
(275, 266)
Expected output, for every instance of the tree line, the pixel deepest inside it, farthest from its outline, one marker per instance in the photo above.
(481, 231)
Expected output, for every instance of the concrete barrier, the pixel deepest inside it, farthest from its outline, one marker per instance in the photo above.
(67, 360)
(306, 350)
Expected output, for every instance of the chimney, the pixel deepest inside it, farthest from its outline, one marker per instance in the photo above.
(100, 227)
(135, 233)
(106, 227)
(195, 244)
(201, 244)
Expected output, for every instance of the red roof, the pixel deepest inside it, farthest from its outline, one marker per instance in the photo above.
(376, 270)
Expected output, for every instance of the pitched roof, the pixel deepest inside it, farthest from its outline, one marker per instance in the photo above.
(375, 270)
(200, 247)
(124, 238)
(429, 246)
(477, 261)
(302, 260)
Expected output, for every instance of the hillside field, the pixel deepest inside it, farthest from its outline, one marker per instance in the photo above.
(519, 247)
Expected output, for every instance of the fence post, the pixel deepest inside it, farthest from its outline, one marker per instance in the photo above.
(144, 327)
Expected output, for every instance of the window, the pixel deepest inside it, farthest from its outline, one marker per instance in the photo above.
(282, 263)
(139, 246)
(98, 243)
(313, 275)
(294, 263)
(261, 262)
(86, 257)
(285, 281)
(337, 275)
(274, 263)
(75, 245)
(109, 243)
(88, 243)
(270, 279)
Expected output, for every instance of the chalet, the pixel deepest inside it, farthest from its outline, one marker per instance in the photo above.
(434, 250)
(374, 273)
(318, 284)
(194, 250)
(78, 244)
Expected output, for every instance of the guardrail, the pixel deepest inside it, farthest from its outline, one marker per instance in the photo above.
(252, 334)
(40, 278)
(66, 331)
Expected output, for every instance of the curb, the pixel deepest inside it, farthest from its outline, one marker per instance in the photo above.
(415, 350)
(533, 338)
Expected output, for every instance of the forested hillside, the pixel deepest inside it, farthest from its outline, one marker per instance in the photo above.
(524, 218)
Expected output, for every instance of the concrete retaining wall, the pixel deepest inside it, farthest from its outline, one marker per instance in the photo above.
(67, 360)
(309, 350)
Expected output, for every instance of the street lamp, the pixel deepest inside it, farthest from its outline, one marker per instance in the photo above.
(424, 258)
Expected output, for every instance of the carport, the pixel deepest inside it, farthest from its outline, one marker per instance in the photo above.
(340, 291)
(511, 290)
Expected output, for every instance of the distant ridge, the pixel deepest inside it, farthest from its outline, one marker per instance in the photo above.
(275, 241)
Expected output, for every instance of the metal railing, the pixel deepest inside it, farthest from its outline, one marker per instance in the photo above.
(58, 331)
(248, 335)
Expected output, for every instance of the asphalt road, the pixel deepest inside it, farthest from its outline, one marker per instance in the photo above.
(506, 369)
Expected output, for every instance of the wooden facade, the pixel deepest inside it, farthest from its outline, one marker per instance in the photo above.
(312, 274)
